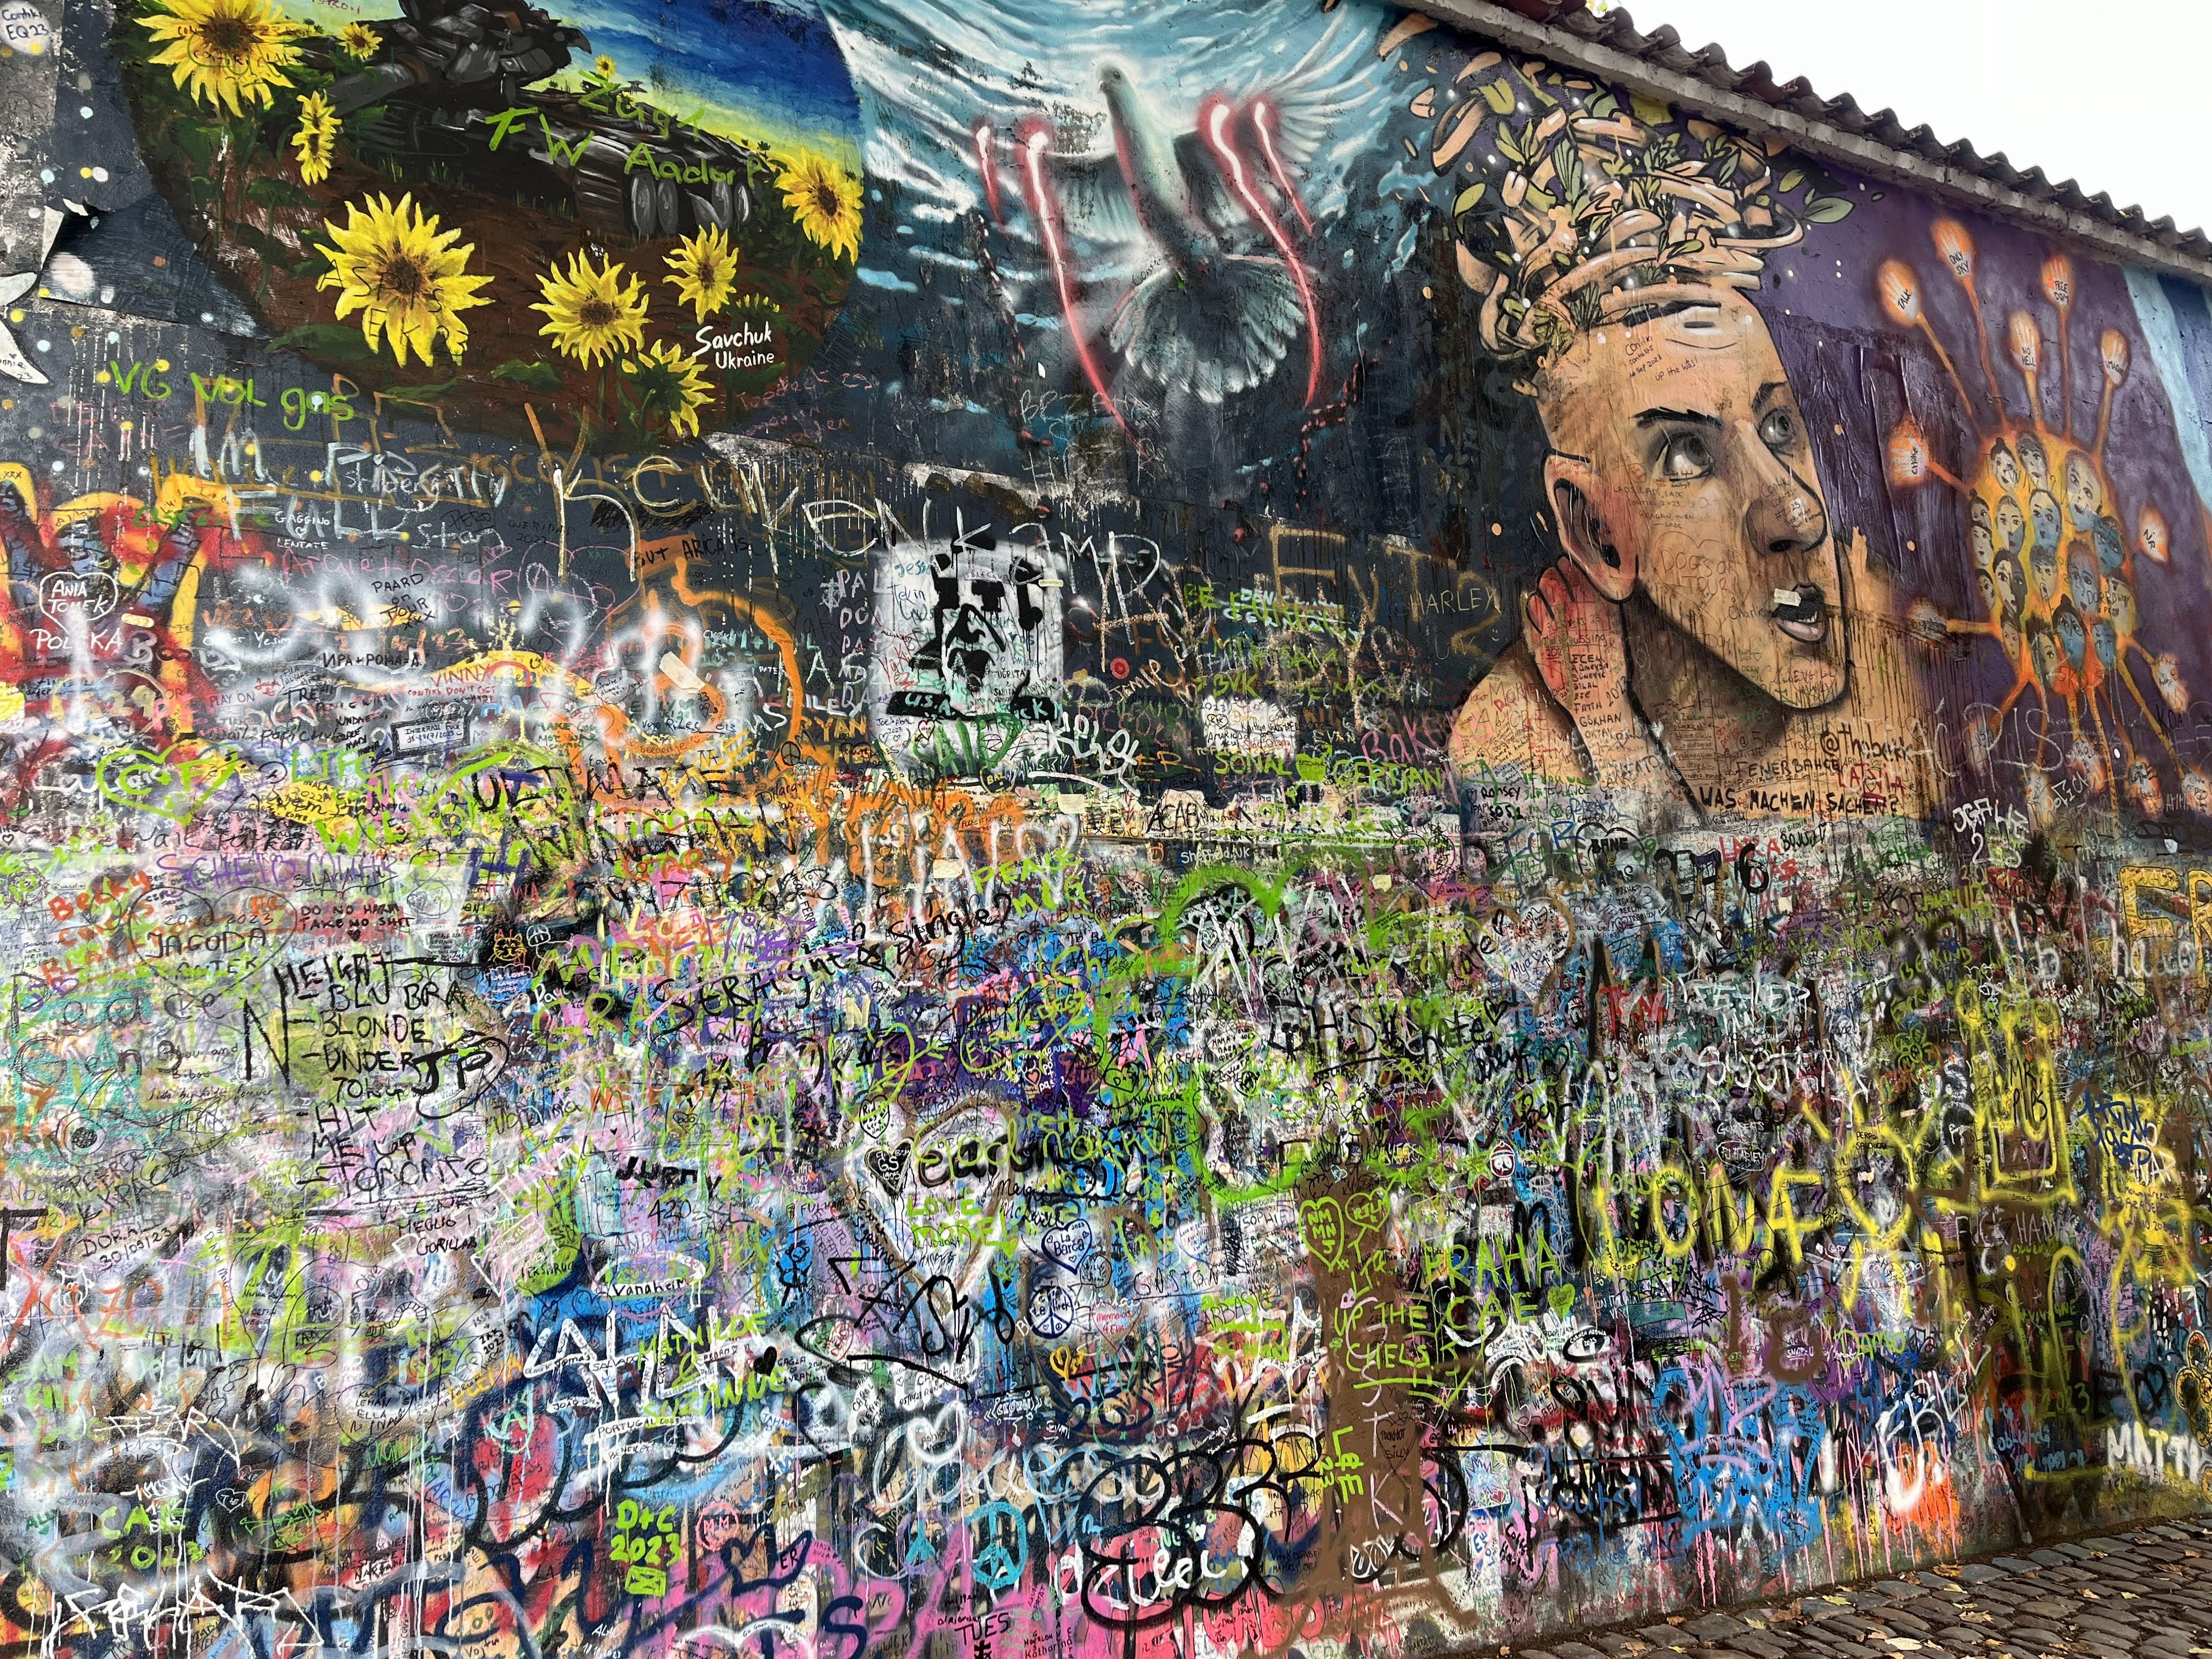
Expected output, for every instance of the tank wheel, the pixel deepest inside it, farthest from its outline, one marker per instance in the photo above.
(723, 195)
(644, 207)
(672, 207)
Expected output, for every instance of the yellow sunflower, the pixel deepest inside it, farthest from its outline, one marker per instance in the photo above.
(360, 40)
(670, 387)
(825, 199)
(317, 140)
(604, 67)
(225, 50)
(703, 268)
(406, 279)
(590, 314)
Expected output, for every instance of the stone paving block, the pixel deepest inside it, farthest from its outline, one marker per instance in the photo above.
(1714, 1627)
(2090, 1624)
(2178, 1611)
(2100, 1597)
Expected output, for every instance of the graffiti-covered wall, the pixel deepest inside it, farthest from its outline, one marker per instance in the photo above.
(1062, 830)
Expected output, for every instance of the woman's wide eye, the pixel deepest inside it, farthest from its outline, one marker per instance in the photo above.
(1778, 430)
(1685, 456)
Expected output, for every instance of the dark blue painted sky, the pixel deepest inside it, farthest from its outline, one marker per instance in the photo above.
(769, 70)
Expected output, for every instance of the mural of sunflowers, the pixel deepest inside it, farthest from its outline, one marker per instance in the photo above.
(612, 257)
(407, 281)
(223, 52)
(825, 200)
(317, 140)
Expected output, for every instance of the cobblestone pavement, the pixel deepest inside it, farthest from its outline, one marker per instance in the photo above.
(2144, 1594)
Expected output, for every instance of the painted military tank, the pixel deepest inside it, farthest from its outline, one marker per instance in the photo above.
(457, 85)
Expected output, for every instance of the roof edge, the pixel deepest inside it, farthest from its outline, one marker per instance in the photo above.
(1830, 130)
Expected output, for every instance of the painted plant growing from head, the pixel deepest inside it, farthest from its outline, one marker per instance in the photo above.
(1574, 208)
(2056, 562)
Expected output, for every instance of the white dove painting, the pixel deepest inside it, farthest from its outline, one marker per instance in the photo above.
(1164, 181)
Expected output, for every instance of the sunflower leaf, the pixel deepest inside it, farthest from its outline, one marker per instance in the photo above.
(278, 192)
(325, 340)
(537, 376)
(272, 251)
(199, 144)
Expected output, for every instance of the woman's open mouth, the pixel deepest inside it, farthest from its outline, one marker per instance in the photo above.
(1802, 613)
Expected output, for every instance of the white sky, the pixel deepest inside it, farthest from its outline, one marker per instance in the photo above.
(2112, 93)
